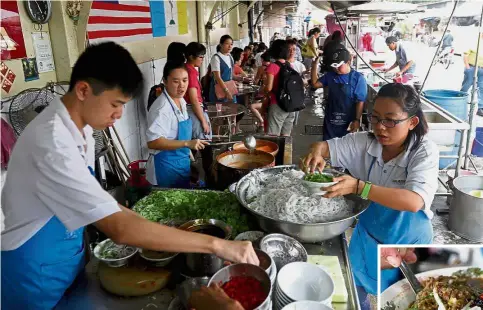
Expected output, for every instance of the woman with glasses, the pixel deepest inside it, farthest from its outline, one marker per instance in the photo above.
(396, 168)
(195, 53)
(347, 93)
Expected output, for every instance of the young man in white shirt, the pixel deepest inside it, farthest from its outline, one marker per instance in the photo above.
(50, 194)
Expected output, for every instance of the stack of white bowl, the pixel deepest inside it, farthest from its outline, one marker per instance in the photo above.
(303, 281)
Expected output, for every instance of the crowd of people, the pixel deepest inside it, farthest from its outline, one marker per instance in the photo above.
(395, 166)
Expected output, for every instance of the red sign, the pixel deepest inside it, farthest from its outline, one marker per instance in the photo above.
(11, 37)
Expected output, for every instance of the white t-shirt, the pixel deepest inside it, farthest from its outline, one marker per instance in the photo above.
(258, 59)
(298, 66)
(48, 176)
(215, 61)
(163, 123)
(416, 170)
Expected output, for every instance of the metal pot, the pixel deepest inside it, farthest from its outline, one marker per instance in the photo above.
(466, 211)
(313, 232)
(225, 275)
(233, 165)
(206, 264)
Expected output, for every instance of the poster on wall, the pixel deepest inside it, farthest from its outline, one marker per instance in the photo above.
(130, 21)
(30, 70)
(12, 45)
(43, 52)
(7, 77)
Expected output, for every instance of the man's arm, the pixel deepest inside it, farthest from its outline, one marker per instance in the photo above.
(314, 76)
(466, 61)
(407, 66)
(127, 227)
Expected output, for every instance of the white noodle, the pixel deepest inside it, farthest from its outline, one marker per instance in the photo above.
(283, 196)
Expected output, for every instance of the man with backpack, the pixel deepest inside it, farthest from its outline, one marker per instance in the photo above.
(347, 93)
(286, 90)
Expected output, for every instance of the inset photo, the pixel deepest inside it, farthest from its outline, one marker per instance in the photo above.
(432, 277)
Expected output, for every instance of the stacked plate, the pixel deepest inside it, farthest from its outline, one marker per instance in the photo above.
(302, 281)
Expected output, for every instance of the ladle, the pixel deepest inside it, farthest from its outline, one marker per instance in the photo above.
(250, 142)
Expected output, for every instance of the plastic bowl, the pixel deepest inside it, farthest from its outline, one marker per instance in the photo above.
(305, 281)
(315, 188)
(306, 305)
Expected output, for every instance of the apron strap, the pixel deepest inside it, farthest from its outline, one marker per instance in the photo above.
(172, 106)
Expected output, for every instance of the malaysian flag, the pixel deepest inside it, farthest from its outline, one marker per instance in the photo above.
(128, 21)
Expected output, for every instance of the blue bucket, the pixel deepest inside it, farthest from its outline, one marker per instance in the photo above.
(477, 148)
(456, 103)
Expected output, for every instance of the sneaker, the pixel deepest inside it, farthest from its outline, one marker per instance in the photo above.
(479, 112)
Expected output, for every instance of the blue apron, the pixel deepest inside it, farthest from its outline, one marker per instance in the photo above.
(225, 74)
(382, 225)
(37, 274)
(173, 168)
(340, 110)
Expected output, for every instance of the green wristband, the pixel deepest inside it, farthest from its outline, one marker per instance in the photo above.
(365, 190)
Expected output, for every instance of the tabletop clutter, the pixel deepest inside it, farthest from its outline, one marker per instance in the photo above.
(285, 279)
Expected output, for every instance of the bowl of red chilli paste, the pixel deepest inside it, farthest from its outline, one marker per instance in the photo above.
(248, 284)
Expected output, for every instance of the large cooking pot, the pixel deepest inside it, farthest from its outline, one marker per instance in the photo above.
(262, 145)
(466, 211)
(309, 232)
(233, 165)
(206, 264)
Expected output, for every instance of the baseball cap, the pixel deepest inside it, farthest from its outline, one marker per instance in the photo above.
(340, 57)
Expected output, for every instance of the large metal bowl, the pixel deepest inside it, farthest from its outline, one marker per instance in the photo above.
(310, 232)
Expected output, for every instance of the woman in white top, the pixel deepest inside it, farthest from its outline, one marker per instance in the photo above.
(396, 168)
(170, 130)
(222, 67)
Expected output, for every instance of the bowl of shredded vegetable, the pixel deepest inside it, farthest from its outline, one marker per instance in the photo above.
(316, 181)
(250, 285)
(114, 255)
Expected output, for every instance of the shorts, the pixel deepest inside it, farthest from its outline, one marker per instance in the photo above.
(280, 123)
(197, 132)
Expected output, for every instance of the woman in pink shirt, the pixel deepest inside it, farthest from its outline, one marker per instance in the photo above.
(195, 53)
(280, 123)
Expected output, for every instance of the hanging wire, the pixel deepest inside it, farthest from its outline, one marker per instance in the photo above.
(154, 72)
(439, 46)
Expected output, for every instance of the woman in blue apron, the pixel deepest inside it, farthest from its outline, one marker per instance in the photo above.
(222, 65)
(169, 132)
(396, 168)
(347, 93)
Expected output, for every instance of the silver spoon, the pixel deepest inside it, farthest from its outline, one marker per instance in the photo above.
(250, 142)
(413, 281)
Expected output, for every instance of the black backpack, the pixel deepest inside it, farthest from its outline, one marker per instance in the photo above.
(290, 94)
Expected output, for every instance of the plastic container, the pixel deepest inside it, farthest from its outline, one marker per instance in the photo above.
(456, 103)
(477, 148)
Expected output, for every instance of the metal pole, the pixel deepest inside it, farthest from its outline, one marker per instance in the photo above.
(473, 94)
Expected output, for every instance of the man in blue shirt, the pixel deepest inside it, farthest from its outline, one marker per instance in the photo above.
(404, 59)
(447, 40)
(347, 93)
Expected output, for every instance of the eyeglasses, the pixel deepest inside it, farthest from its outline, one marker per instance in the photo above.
(388, 123)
